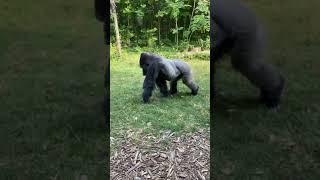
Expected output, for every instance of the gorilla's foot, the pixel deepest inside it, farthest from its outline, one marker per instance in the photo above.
(195, 91)
(173, 91)
(146, 96)
(145, 100)
(272, 98)
(165, 94)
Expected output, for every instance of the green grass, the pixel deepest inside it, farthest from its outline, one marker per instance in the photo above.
(51, 88)
(181, 113)
(251, 142)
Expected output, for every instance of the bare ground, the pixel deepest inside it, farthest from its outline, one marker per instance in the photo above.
(140, 156)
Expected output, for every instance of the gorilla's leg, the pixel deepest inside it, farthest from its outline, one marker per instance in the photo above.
(162, 84)
(250, 63)
(223, 43)
(263, 76)
(186, 76)
(173, 85)
(187, 80)
(247, 41)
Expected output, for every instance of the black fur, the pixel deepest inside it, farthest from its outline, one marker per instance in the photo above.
(238, 33)
(159, 70)
(102, 14)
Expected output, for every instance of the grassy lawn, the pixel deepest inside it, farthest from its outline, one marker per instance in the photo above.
(181, 113)
(51, 88)
(252, 143)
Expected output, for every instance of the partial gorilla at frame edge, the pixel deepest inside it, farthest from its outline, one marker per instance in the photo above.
(102, 14)
(238, 33)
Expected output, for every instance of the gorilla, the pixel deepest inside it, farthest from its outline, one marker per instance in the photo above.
(237, 32)
(158, 70)
(102, 14)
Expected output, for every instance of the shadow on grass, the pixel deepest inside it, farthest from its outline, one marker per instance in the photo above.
(224, 105)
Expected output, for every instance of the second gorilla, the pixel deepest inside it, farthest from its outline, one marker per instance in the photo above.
(159, 70)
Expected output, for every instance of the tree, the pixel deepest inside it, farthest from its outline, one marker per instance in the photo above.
(116, 26)
(174, 7)
(159, 15)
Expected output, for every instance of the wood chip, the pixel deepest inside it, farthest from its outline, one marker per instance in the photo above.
(144, 156)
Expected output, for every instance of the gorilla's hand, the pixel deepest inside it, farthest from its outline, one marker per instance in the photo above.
(146, 95)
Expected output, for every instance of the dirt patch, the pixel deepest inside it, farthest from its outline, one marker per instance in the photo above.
(167, 157)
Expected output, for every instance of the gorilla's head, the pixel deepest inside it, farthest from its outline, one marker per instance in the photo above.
(146, 59)
(144, 62)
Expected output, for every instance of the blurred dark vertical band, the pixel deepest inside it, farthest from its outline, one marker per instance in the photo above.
(102, 13)
(212, 91)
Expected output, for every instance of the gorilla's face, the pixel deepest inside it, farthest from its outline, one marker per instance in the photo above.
(144, 63)
(145, 68)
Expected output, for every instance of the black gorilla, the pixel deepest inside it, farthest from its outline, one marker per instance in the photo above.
(236, 32)
(102, 14)
(159, 70)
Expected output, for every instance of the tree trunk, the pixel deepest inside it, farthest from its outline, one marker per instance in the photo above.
(192, 14)
(177, 36)
(116, 26)
(159, 35)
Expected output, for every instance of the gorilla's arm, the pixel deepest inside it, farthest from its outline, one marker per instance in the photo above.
(150, 80)
(222, 43)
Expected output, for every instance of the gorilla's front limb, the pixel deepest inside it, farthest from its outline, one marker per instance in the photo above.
(162, 84)
(264, 76)
(150, 80)
(173, 87)
(248, 57)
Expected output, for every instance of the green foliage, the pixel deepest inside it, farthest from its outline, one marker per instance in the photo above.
(204, 44)
(171, 18)
(161, 14)
(176, 30)
(174, 7)
(203, 7)
(126, 36)
(150, 36)
(200, 23)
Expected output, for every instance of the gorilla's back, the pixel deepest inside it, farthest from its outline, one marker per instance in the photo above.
(170, 69)
(233, 17)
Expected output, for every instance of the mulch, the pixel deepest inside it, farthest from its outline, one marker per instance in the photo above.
(143, 156)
